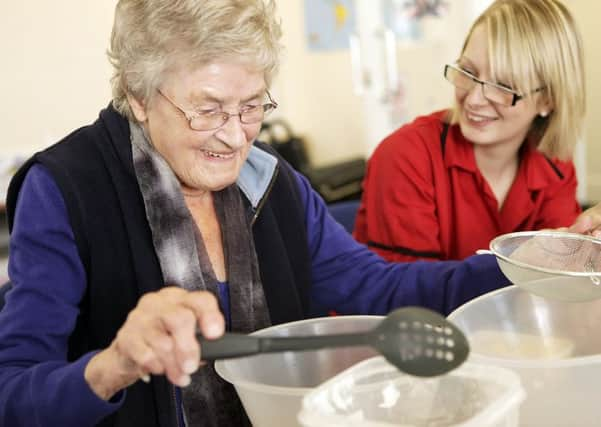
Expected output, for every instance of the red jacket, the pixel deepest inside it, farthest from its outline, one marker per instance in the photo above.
(421, 203)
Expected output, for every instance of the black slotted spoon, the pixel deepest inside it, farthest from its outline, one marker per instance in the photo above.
(416, 340)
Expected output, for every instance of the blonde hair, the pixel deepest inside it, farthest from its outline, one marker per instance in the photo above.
(534, 44)
(150, 37)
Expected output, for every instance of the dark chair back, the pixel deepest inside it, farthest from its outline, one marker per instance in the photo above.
(334, 182)
(345, 213)
(3, 290)
(292, 148)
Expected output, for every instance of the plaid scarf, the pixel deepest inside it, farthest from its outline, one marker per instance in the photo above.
(209, 400)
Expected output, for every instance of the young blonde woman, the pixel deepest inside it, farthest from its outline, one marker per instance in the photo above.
(499, 161)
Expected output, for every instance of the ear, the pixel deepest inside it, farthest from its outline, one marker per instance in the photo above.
(545, 108)
(137, 107)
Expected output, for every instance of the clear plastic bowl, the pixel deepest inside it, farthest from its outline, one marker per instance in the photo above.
(555, 347)
(374, 393)
(271, 386)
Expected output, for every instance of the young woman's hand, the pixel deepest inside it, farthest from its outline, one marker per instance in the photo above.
(588, 222)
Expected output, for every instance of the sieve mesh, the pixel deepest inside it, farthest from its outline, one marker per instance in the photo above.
(552, 253)
(559, 252)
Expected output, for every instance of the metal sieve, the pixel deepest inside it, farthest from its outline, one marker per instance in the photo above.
(552, 264)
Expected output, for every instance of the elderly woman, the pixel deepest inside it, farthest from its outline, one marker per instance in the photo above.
(165, 215)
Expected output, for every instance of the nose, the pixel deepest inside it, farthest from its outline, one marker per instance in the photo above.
(232, 132)
(475, 95)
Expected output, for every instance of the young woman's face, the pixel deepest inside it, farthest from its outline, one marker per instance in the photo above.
(205, 160)
(484, 122)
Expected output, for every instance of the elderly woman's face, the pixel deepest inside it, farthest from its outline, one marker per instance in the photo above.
(205, 160)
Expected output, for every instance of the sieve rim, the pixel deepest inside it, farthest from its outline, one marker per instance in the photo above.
(555, 234)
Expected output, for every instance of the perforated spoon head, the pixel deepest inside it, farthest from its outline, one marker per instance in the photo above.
(420, 342)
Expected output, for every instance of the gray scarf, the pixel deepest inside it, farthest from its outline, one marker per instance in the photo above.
(209, 400)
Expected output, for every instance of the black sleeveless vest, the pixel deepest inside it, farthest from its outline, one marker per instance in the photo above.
(93, 169)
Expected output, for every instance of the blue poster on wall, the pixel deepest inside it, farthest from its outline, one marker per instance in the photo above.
(403, 16)
(329, 23)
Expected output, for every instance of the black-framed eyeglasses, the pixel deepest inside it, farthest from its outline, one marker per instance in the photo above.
(493, 92)
(211, 120)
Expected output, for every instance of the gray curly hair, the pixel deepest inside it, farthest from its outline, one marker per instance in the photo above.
(151, 36)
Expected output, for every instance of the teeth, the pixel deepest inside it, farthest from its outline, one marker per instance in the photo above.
(219, 156)
(477, 118)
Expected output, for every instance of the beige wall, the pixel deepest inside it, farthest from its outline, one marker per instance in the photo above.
(587, 14)
(54, 71)
(54, 78)
(331, 128)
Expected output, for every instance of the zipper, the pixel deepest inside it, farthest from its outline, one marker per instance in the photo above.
(177, 407)
(264, 198)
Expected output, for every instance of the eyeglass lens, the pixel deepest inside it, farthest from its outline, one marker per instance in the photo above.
(463, 80)
(217, 119)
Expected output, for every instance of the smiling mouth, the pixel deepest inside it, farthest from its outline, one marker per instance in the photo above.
(478, 118)
(215, 155)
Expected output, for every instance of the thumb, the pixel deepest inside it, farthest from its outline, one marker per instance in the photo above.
(583, 224)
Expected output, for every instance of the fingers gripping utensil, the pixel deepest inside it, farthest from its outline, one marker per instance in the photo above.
(417, 341)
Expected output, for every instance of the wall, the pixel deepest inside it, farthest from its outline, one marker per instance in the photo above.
(587, 15)
(55, 75)
(306, 78)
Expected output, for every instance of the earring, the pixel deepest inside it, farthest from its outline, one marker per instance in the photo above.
(543, 113)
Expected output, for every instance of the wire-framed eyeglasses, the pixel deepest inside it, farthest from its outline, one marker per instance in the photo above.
(493, 92)
(210, 120)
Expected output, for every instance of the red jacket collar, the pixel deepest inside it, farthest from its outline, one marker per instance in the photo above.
(539, 170)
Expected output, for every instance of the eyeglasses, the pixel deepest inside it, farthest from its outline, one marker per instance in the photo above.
(493, 92)
(210, 120)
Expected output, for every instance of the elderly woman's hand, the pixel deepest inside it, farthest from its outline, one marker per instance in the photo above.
(588, 222)
(158, 337)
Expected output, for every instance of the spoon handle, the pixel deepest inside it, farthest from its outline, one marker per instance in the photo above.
(237, 345)
(273, 344)
(228, 346)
